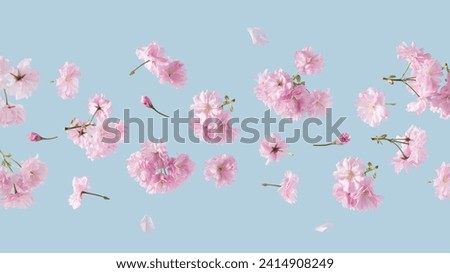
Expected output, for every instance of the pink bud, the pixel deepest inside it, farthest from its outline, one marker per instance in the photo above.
(344, 138)
(35, 137)
(146, 101)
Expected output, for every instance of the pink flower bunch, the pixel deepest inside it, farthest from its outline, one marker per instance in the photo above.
(442, 182)
(423, 81)
(221, 168)
(354, 189)
(156, 171)
(16, 187)
(93, 137)
(211, 121)
(167, 70)
(21, 82)
(68, 81)
(288, 96)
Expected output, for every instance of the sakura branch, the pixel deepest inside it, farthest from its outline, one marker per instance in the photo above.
(81, 187)
(287, 188)
(167, 70)
(35, 137)
(16, 187)
(354, 188)
(288, 95)
(343, 139)
(411, 148)
(422, 78)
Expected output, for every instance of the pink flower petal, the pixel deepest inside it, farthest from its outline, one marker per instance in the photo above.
(323, 227)
(147, 224)
(258, 36)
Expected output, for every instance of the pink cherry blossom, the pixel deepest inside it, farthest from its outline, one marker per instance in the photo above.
(34, 137)
(78, 135)
(343, 196)
(156, 171)
(6, 184)
(11, 114)
(258, 36)
(366, 198)
(440, 102)
(288, 189)
(32, 173)
(100, 143)
(216, 129)
(371, 107)
(319, 101)
(80, 185)
(174, 73)
(100, 106)
(5, 69)
(323, 227)
(18, 200)
(24, 80)
(221, 168)
(146, 102)
(307, 62)
(274, 149)
(414, 153)
(207, 104)
(147, 224)
(349, 172)
(154, 54)
(68, 81)
(415, 56)
(442, 181)
(343, 139)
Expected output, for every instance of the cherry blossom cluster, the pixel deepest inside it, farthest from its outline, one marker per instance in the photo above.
(288, 95)
(411, 148)
(354, 188)
(211, 122)
(91, 135)
(16, 187)
(167, 70)
(68, 81)
(21, 82)
(156, 171)
(422, 78)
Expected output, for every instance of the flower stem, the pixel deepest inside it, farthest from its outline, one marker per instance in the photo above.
(95, 194)
(391, 103)
(162, 114)
(139, 66)
(394, 141)
(79, 126)
(6, 97)
(271, 185)
(391, 79)
(325, 144)
(49, 138)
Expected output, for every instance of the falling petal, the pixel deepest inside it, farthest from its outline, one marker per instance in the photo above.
(323, 227)
(147, 224)
(258, 36)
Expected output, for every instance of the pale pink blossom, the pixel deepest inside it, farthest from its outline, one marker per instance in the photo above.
(11, 114)
(182, 166)
(307, 62)
(365, 196)
(78, 135)
(273, 148)
(147, 224)
(319, 101)
(349, 172)
(222, 169)
(371, 107)
(68, 81)
(440, 102)
(295, 105)
(172, 72)
(99, 106)
(217, 130)
(258, 36)
(100, 143)
(5, 69)
(323, 227)
(207, 104)
(344, 196)
(414, 153)
(80, 185)
(442, 181)
(24, 80)
(6, 184)
(146, 101)
(19, 200)
(154, 54)
(415, 56)
(288, 189)
(32, 173)
(34, 137)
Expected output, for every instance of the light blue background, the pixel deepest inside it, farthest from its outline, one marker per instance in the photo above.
(357, 41)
